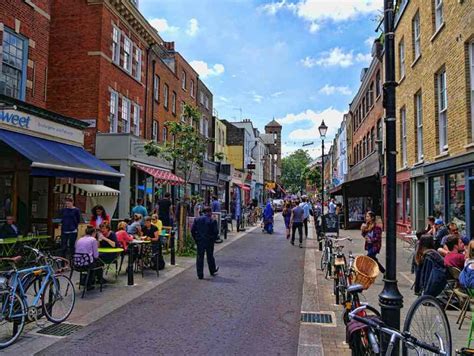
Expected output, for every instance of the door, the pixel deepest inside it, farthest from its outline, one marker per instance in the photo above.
(420, 205)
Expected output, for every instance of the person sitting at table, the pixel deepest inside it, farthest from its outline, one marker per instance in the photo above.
(107, 239)
(455, 256)
(87, 244)
(150, 231)
(157, 222)
(99, 216)
(9, 229)
(123, 238)
(135, 228)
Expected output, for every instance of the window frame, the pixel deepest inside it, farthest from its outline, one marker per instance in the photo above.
(192, 91)
(127, 56)
(442, 96)
(154, 131)
(165, 134)
(183, 80)
(156, 87)
(137, 58)
(126, 127)
(401, 59)
(173, 102)
(116, 47)
(419, 125)
(439, 14)
(113, 122)
(136, 119)
(166, 93)
(416, 32)
(378, 87)
(403, 135)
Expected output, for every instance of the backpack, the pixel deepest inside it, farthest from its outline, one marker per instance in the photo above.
(466, 278)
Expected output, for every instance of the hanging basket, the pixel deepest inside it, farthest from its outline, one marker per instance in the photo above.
(366, 271)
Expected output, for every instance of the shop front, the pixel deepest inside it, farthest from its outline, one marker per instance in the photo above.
(209, 181)
(403, 203)
(223, 187)
(38, 150)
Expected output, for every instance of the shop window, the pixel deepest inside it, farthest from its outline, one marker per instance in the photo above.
(399, 202)
(457, 199)
(437, 188)
(39, 198)
(357, 207)
(407, 196)
(13, 65)
(6, 199)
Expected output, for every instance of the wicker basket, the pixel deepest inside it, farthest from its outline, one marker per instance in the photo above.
(366, 271)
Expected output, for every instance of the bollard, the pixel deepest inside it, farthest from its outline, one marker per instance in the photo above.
(173, 251)
(131, 254)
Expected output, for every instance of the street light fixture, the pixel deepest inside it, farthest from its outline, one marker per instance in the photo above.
(323, 129)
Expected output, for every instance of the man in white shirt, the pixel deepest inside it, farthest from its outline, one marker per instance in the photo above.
(332, 207)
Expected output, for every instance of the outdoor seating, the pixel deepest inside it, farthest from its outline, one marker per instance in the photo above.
(112, 254)
(84, 264)
(450, 290)
(166, 232)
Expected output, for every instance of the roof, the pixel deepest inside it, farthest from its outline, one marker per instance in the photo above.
(273, 123)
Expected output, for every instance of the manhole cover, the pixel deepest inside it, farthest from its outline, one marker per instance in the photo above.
(61, 330)
(316, 318)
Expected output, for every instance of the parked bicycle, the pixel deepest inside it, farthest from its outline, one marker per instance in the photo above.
(339, 265)
(29, 293)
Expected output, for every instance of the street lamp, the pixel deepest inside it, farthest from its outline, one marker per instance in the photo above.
(323, 129)
(390, 299)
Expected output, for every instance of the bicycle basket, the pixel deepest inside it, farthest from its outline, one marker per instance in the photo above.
(366, 271)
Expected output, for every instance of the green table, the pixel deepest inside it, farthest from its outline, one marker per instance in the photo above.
(8, 245)
(110, 249)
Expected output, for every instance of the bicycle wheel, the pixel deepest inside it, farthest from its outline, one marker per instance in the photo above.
(342, 286)
(12, 321)
(424, 320)
(336, 284)
(324, 260)
(58, 299)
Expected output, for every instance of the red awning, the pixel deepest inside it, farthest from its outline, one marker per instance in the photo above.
(244, 187)
(161, 176)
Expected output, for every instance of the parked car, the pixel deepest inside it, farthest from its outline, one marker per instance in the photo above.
(278, 204)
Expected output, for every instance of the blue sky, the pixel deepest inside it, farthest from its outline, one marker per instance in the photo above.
(296, 60)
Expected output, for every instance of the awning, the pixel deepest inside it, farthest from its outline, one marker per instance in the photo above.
(161, 176)
(88, 190)
(55, 159)
(270, 190)
(243, 187)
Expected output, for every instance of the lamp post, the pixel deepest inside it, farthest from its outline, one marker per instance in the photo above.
(390, 299)
(323, 129)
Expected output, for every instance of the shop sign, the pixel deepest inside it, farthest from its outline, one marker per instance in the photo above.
(21, 122)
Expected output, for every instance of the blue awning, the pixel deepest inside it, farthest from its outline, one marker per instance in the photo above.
(55, 159)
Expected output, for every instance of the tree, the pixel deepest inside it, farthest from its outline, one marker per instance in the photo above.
(293, 166)
(313, 176)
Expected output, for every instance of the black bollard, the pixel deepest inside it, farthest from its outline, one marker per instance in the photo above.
(131, 253)
(173, 251)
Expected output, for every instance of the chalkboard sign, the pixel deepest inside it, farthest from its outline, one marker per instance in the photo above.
(331, 224)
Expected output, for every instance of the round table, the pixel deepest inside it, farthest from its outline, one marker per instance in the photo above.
(110, 250)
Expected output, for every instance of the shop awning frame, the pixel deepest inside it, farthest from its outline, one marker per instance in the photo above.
(161, 176)
(88, 190)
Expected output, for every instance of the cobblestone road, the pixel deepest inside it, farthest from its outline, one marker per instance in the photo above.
(252, 307)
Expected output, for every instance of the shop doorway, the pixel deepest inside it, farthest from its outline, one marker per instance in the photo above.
(420, 205)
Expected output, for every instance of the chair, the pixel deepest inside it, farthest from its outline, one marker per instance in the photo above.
(451, 286)
(167, 230)
(84, 264)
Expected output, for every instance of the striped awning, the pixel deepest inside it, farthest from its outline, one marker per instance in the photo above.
(88, 190)
(161, 176)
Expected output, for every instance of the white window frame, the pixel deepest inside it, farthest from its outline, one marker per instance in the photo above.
(166, 96)
(136, 119)
(126, 104)
(401, 58)
(201, 97)
(192, 88)
(156, 87)
(113, 111)
(127, 54)
(419, 125)
(439, 17)
(416, 36)
(206, 127)
(403, 133)
(201, 126)
(207, 102)
(165, 134)
(471, 70)
(442, 93)
(173, 102)
(154, 131)
(116, 35)
(183, 80)
(138, 63)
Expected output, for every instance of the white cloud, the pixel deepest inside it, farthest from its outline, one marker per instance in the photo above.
(223, 99)
(205, 71)
(314, 27)
(336, 57)
(257, 98)
(277, 94)
(370, 41)
(330, 89)
(274, 7)
(162, 26)
(193, 27)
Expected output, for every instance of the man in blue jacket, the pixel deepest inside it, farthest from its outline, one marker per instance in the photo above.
(205, 233)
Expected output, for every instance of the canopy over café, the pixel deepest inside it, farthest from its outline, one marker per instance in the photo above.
(40, 149)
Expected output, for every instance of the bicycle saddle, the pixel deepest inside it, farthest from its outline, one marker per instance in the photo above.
(14, 260)
(355, 288)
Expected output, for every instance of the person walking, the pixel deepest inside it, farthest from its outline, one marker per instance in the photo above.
(205, 233)
(268, 218)
(332, 207)
(164, 209)
(296, 223)
(216, 204)
(287, 217)
(70, 219)
(306, 213)
(139, 208)
(372, 233)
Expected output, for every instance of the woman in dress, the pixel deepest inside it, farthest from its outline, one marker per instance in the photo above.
(268, 218)
(372, 233)
(287, 217)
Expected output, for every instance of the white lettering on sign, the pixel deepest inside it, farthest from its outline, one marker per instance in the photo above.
(28, 124)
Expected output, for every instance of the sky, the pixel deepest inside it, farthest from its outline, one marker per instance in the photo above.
(298, 61)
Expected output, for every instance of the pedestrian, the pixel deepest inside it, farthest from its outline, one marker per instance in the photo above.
(268, 218)
(205, 233)
(139, 208)
(9, 229)
(306, 213)
(332, 207)
(296, 223)
(372, 233)
(70, 219)
(440, 231)
(216, 205)
(99, 216)
(164, 209)
(287, 217)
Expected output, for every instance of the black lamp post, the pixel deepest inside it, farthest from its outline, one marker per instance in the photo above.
(323, 129)
(390, 299)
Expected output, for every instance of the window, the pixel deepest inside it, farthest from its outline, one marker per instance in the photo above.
(116, 45)
(363, 108)
(183, 80)
(136, 119)
(372, 139)
(371, 94)
(437, 189)
(367, 102)
(378, 84)
(192, 88)
(113, 112)
(438, 14)
(406, 193)
(201, 126)
(173, 103)
(379, 129)
(401, 57)
(364, 147)
(154, 132)
(207, 102)
(442, 111)
(399, 202)
(416, 29)
(403, 134)
(166, 95)
(201, 97)
(125, 115)
(156, 88)
(457, 199)
(165, 134)
(206, 127)
(137, 64)
(127, 54)
(419, 125)
(13, 66)
(471, 69)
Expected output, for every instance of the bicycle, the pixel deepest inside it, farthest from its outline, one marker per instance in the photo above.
(420, 334)
(326, 256)
(338, 262)
(55, 297)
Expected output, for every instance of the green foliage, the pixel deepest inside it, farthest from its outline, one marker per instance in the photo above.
(219, 156)
(292, 171)
(313, 176)
(189, 248)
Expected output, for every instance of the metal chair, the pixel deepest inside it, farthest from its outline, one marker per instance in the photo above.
(84, 264)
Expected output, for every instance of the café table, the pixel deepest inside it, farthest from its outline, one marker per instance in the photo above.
(8, 245)
(111, 250)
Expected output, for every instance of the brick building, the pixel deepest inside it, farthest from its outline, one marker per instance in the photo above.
(435, 71)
